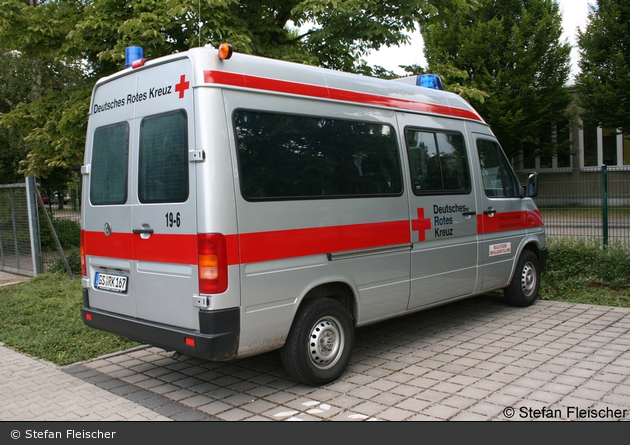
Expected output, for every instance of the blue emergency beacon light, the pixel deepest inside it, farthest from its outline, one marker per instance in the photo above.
(430, 81)
(133, 53)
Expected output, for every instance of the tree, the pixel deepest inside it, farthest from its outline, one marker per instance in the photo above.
(604, 80)
(511, 50)
(12, 91)
(23, 81)
(42, 86)
(92, 35)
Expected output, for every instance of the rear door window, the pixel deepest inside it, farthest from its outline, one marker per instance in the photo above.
(110, 157)
(163, 158)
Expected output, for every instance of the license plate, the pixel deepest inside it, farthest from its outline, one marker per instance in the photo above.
(114, 283)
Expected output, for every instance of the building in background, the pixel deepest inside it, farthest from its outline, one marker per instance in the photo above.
(575, 178)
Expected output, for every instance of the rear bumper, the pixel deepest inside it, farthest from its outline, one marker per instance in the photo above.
(217, 339)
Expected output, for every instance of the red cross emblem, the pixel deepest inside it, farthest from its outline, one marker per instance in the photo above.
(421, 225)
(182, 86)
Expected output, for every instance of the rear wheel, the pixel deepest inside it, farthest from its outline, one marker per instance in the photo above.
(523, 290)
(319, 345)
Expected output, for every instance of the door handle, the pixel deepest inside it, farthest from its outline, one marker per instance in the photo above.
(490, 212)
(144, 230)
(469, 213)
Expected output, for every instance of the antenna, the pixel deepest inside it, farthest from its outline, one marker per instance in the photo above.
(199, 23)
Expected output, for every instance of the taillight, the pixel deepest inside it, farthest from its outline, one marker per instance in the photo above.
(83, 265)
(213, 269)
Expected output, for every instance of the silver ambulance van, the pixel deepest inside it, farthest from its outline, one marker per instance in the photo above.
(234, 205)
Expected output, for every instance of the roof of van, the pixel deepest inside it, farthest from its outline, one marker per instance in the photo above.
(244, 71)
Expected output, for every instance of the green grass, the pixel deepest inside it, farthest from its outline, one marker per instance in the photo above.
(580, 271)
(41, 318)
(593, 293)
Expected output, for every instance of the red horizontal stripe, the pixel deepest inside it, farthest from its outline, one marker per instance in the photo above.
(322, 92)
(117, 245)
(281, 244)
(502, 222)
(160, 248)
(267, 246)
(254, 247)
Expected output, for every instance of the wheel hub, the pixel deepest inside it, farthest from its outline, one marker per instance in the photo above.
(528, 279)
(326, 343)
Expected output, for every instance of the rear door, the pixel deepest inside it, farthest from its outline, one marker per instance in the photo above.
(163, 209)
(140, 209)
(107, 199)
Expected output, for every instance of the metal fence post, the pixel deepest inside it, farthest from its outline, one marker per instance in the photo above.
(52, 231)
(33, 225)
(605, 203)
(15, 236)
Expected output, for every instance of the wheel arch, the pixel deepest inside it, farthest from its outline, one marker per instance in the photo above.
(338, 290)
(532, 244)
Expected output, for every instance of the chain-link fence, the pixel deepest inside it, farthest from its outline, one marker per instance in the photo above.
(27, 244)
(16, 255)
(593, 203)
(62, 204)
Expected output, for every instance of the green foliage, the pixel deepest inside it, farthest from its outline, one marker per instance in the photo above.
(38, 84)
(54, 263)
(581, 268)
(604, 80)
(23, 80)
(55, 127)
(68, 232)
(510, 54)
(41, 318)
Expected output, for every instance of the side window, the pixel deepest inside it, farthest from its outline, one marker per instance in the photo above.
(110, 154)
(292, 157)
(438, 162)
(163, 158)
(499, 179)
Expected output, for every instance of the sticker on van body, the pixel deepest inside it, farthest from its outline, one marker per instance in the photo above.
(500, 249)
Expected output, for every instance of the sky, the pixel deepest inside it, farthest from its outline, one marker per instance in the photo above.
(574, 14)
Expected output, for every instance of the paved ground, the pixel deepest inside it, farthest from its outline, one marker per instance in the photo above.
(37, 390)
(476, 360)
(8, 278)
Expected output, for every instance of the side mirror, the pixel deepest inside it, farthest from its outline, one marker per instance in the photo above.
(531, 186)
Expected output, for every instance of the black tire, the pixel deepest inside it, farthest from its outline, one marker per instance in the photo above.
(319, 345)
(523, 290)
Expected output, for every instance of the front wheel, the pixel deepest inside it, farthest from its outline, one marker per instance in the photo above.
(319, 345)
(523, 290)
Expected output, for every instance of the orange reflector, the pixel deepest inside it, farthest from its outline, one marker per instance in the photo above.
(83, 263)
(208, 267)
(190, 341)
(225, 51)
(88, 317)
